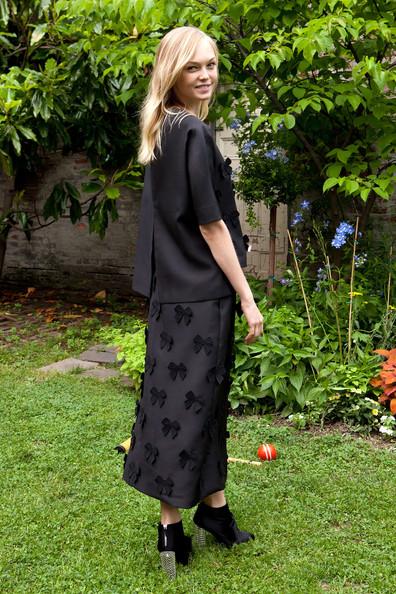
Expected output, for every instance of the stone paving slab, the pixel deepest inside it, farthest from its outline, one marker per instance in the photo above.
(100, 353)
(67, 365)
(103, 374)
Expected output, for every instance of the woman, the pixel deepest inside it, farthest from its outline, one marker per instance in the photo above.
(188, 263)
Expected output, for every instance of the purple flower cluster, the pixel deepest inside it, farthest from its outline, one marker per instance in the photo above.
(343, 231)
(235, 124)
(305, 204)
(285, 281)
(297, 245)
(247, 147)
(360, 259)
(298, 218)
(271, 154)
(321, 275)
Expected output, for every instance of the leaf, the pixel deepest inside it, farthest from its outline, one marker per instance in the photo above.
(27, 132)
(300, 397)
(329, 104)
(354, 100)
(296, 379)
(91, 187)
(38, 33)
(381, 193)
(284, 89)
(298, 92)
(289, 120)
(257, 122)
(330, 183)
(334, 170)
(72, 190)
(275, 60)
(226, 62)
(4, 12)
(112, 193)
(15, 140)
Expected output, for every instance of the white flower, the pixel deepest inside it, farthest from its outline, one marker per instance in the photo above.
(386, 430)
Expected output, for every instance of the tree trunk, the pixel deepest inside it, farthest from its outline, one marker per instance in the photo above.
(272, 246)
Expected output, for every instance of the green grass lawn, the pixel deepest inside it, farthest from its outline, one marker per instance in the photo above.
(322, 512)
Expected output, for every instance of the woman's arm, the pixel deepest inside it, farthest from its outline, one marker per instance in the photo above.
(219, 240)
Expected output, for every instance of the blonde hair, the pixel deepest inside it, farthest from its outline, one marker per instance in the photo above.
(174, 51)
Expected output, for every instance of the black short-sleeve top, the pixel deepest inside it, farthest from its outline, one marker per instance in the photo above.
(187, 185)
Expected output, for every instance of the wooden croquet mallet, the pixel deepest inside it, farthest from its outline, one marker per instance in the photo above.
(125, 445)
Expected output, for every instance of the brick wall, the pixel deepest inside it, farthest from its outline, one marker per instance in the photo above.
(66, 255)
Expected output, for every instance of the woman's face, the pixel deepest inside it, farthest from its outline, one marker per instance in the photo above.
(198, 78)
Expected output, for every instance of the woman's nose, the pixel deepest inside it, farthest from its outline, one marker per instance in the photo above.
(204, 73)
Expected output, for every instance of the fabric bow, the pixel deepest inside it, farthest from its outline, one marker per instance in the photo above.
(155, 309)
(189, 458)
(210, 427)
(151, 453)
(141, 417)
(158, 396)
(246, 242)
(225, 167)
(133, 472)
(191, 400)
(177, 369)
(216, 373)
(166, 341)
(199, 342)
(164, 485)
(183, 312)
(170, 426)
(150, 364)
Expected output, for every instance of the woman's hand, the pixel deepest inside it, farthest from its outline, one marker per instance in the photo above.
(254, 320)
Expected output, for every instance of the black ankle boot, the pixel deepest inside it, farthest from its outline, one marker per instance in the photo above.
(220, 522)
(173, 546)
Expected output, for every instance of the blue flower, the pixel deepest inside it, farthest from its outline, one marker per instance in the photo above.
(360, 259)
(271, 154)
(285, 281)
(235, 124)
(298, 218)
(342, 233)
(305, 204)
(281, 125)
(247, 147)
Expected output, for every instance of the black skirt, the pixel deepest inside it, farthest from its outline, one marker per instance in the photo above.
(178, 449)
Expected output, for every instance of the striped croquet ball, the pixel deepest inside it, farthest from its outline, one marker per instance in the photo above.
(266, 451)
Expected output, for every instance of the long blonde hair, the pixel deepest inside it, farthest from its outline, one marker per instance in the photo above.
(174, 51)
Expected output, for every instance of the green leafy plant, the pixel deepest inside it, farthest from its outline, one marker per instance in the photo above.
(131, 349)
(279, 370)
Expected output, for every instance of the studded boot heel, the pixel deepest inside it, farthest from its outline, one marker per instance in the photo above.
(173, 546)
(220, 522)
